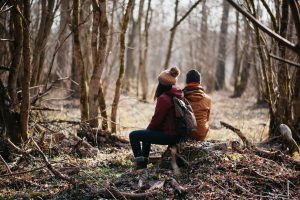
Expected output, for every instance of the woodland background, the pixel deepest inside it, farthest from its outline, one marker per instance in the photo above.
(85, 72)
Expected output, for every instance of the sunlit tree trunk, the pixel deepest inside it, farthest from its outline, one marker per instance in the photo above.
(25, 105)
(220, 70)
(144, 77)
(124, 25)
(100, 24)
(110, 49)
(171, 39)
(79, 62)
(140, 19)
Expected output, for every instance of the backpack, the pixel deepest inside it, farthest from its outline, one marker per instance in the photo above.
(184, 117)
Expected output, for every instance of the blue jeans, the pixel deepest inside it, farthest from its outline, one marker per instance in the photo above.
(148, 137)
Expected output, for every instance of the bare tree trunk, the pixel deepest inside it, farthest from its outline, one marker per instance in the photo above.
(75, 84)
(85, 36)
(79, 62)
(144, 77)
(220, 70)
(140, 19)
(236, 49)
(100, 23)
(25, 105)
(17, 55)
(125, 21)
(62, 59)
(109, 50)
(41, 39)
(296, 103)
(242, 73)
(103, 111)
(171, 39)
(282, 110)
(203, 42)
(130, 55)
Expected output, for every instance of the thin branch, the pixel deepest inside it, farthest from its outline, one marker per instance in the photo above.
(265, 29)
(5, 10)
(6, 165)
(18, 150)
(6, 40)
(273, 19)
(285, 60)
(185, 15)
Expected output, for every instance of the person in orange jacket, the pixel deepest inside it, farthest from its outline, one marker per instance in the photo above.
(200, 102)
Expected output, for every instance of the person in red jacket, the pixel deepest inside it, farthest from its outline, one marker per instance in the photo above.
(162, 129)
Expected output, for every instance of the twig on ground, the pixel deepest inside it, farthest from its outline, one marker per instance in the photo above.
(6, 165)
(18, 150)
(50, 167)
(112, 191)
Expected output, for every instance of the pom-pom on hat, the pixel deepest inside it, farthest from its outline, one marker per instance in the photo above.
(169, 76)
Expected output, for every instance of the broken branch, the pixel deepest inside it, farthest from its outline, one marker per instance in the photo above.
(247, 143)
(285, 60)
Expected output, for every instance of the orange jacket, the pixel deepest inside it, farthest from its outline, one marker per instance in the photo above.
(201, 104)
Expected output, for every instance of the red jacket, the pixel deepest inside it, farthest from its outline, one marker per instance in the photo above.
(164, 115)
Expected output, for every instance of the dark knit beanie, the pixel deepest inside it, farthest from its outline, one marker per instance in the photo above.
(193, 76)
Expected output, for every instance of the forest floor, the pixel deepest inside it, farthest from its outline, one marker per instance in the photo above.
(214, 170)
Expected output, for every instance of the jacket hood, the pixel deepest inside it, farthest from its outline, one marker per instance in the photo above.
(175, 91)
(194, 93)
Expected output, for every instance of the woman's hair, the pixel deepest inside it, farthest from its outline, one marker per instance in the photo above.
(161, 89)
